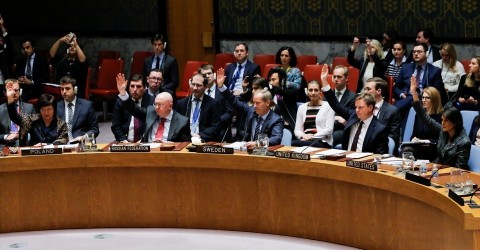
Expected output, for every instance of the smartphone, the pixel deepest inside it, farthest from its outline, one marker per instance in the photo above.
(70, 36)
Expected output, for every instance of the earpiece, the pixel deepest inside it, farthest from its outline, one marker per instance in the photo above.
(21, 91)
(164, 45)
(75, 90)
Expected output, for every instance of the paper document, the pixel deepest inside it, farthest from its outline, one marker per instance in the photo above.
(235, 145)
(331, 152)
(358, 155)
(305, 149)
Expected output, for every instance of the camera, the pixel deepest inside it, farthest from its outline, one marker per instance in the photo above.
(70, 36)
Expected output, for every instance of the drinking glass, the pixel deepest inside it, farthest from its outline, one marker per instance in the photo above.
(408, 161)
(262, 144)
(456, 179)
(90, 142)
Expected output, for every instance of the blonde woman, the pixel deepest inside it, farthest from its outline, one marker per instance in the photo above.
(452, 70)
(371, 65)
(468, 93)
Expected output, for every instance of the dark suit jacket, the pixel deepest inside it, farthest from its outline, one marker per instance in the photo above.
(179, 126)
(434, 50)
(226, 116)
(7, 58)
(376, 138)
(287, 106)
(390, 117)
(431, 77)
(378, 70)
(5, 121)
(39, 74)
(251, 69)
(84, 117)
(209, 120)
(169, 68)
(272, 126)
(347, 100)
(121, 118)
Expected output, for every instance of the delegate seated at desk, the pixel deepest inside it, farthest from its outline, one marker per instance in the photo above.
(266, 121)
(162, 123)
(43, 127)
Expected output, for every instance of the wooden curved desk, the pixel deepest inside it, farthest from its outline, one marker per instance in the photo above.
(321, 200)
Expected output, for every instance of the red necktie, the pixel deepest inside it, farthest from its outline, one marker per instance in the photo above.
(160, 129)
(136, 127)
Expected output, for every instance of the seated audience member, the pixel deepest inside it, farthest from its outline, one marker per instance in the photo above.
(31, 70)
(468, 93)
(166, 63)
(9, 130)
(242, 69)
(452, 70)
(125, 127)
(426, 36)
(421, 131)
(155, 83)
(73, 64)
(398, 58)
(78, 113)
(314, 119)
(345, 97)
(225, 110)
(284, 97)
(372, 63)
(475, 131)
(453, 146)
(258, 84)
(7, 54)
(162, 123)
(259, 117)
(44, 127)
(202, 110)
(363, 131)
(287, 59)
(426, 75)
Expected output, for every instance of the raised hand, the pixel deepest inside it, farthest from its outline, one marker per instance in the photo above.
(220, 77)
(121, 83)
(413, 88)
(324, 75)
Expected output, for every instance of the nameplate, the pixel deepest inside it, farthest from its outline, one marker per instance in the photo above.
(292, 155)
(42, 151)
(130, 148)
(214, 150)
(417, 179)
(362, 165)
(455, 197)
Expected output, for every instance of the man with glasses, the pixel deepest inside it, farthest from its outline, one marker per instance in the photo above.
(155, 83)
(426, 75)
(125, 126)
(162, 123)
(202, 109)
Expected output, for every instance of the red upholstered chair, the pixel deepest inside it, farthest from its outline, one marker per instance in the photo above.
(339, 61)
(190, 68)
(313, 72)
(353, 75)
(104, 54)
(303, 60)
(267, 69)
(390, 82)
(136, 65)
(221, 60)
(263, 59)
(88, 82)
(466, 64)
(106, 85)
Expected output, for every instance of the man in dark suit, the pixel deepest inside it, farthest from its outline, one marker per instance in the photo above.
(7, 54)
(345, 97)
(125, 127)
(259, 117)
(9, 131)
(162, 123)
(236, 72)
(166, 63)
(78, 113)
(225, 110)
(424, 72)
(31, 75)
(202, 110)
(426, 36)
(155, 83)
(363, 131)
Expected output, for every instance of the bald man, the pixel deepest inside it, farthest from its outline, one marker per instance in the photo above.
(162, 123)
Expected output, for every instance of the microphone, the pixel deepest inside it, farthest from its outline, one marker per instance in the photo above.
(445, 162)
(315, 140)
(223, 138)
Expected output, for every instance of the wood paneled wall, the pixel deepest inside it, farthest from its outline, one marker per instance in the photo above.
(187, 21)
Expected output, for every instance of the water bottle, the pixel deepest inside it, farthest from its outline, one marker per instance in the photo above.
(434, 171)
(423, 168)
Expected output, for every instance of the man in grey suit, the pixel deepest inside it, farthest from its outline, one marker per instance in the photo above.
(8, 130)
(162, 123)
(78, 113)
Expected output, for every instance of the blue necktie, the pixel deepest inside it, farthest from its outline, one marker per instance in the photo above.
(257, 128)
(196, 111)
(235, 77)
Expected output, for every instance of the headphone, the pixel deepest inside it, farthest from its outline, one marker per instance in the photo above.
(75, 90)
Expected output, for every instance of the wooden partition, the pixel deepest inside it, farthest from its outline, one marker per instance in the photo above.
(320, 200)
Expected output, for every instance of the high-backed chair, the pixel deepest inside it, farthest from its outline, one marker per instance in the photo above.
(221, 60)
(390, 81)
(339, 61)
(353, 75)
(466, 64)
(267, 69)
(408, 131)
(303, 60)
(286, 138)
(312, 72)
(190, 68)
(105, 88)
(468, 116)
(102, 55)
(263, 59)
(136, 66)
(474, 160)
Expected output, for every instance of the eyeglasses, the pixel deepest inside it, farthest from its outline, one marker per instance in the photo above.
(417, 51)
(158, 79)
(425, 97)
